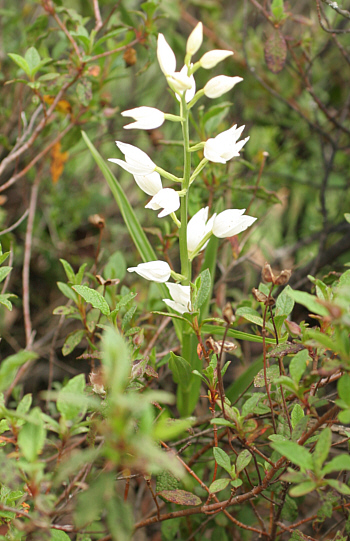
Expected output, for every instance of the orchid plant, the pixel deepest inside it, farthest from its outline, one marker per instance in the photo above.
(194, 233)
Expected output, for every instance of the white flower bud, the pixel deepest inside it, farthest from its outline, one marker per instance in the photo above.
(166, 56)
(211, 58)
(182, 298)
(166, 199)
(231, 222)
(157, 271)
(195, 40)
(219, 85)
(147, 118)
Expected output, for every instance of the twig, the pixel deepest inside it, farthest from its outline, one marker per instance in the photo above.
(16, 224)
(97, 13)
(26, 262)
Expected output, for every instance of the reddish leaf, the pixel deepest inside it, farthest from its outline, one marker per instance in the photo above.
(181, 497)
(275, 52)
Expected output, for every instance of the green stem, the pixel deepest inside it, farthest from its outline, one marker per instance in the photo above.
(185, 263)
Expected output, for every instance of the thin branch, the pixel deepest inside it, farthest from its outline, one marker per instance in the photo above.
(97, 13)
(16, 224)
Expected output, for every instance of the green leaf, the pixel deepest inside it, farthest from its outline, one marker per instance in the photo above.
(218, 485)
(250, 315)
(243, 460)
(339, 486)
(4, 271)
(298, 364)
(322, 448)
(94, 298)
(284, 303)
(116, 362)
(71, 401)
(32, 58)
(32, 435)
(24, 405)
(21, 62)
(180, 497)
(136, 232)
(338, 463)
(300, 428)
(239, 335)
(68, 270)
(59, 535)
(309, 301)
(344, 388)
(67, 291)
(272, 373)
(73, 339)
(222, 459)
(295, 453)
(297, 414)
(182, 371)
(10, 365)
(4, 300)
(302, 489)
(128, 316)
(204, 288)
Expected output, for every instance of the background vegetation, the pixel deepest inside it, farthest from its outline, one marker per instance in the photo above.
(76, 464)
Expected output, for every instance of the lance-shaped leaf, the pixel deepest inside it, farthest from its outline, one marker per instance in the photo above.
(94, 298)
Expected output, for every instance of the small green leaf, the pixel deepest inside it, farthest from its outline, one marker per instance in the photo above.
(309, 301)
(302, 489)
(250, 315)
(73, 339)
(10, 365)
(243, 460)
(4, 271)
(298, 364)
(236, 483)
(94, 298)
(71, 401)
(344, 388)
(338, 463)
(116, 361)
(295, 453)
(272, 373)
(222, 459)
(297, 414)
(21, 62)
(204, 288)
(32, 58)
(218, 485)
(180, 497)
(67, 291)
(182, 371)
(339, 486)
(128, 316)
(24, 405)
(322, 448)
(68, 270)
(32, 435)
(284, 303)
(59, 535)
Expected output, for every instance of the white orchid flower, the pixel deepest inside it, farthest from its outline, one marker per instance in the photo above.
(231, 222)
(136, 162)
(191, 91)
(195, 40)
(157, 271)
(211, 58)
(179, 81)
(197, 228)
(166, 56)
(181, 298)
(224, 146)
(151, 184)
(147, 118)
(166, 199)
(219, 85)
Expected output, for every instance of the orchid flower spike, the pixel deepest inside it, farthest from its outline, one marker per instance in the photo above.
(230, 222)
(166, 199)
(157, 271)
(219, 85)
(197, 228)
(147, 118)
(181, 296)
(224, 146)
(136, 162)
